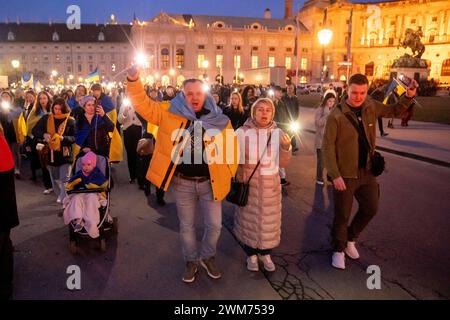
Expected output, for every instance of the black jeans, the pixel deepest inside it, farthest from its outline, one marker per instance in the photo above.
(252, 251)
(131, 137)
(366, 191)
(380, 125)
(6, 266)
(319, 172)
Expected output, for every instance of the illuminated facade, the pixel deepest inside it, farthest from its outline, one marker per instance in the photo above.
(376, 30)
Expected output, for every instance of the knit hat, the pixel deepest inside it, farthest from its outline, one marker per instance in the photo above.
(265, 101)
(86, 99)
(90, 156)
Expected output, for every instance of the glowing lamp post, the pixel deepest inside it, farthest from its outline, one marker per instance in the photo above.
(324, 36)
(16, 64)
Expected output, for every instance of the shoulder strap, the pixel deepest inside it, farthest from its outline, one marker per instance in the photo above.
(259, 161)
(357, 128)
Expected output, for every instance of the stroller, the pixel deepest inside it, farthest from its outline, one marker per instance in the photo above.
(108, 225)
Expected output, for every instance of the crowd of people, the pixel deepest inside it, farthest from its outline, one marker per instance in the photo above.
(161, 128)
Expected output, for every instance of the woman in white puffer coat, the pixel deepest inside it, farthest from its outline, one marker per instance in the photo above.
(258, 225)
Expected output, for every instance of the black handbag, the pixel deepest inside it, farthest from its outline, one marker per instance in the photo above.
(239, 190)
(376, 159)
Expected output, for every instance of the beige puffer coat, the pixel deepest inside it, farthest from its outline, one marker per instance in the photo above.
(258, 224)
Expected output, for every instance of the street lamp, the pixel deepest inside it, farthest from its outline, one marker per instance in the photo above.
(324, 36)
(16, 64)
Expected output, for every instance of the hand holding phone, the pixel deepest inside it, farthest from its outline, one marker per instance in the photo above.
(99, 110)
(405, 80)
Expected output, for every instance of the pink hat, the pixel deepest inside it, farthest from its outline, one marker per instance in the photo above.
(90, 156)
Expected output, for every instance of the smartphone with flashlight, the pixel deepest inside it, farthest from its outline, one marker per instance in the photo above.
(407, 81)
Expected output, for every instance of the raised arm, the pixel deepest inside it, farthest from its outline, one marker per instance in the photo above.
(149, 110)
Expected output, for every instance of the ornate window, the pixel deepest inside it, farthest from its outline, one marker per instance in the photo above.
(165, 58)
(180, 58)
(445, 71)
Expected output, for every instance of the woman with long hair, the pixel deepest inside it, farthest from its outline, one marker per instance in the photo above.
(56, 130)
(248, 97)
(235, 111)
(42, 106)
(322, 112)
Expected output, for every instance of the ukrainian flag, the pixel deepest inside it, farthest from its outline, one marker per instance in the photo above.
(27, 80)
(394, 86)
(93, 76)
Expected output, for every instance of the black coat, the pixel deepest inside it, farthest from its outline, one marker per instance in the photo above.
(59, 158)
(282, 117)
(98, 137)
(8, 212)
(292, 105)
(237, 119)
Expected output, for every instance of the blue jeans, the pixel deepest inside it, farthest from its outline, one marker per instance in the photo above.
(189, 194)
(59, 175)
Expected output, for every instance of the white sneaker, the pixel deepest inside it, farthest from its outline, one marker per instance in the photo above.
(351, 251)
(268, 263)
(338, 260)
(59, 200)
(252, 263)
(48, 191)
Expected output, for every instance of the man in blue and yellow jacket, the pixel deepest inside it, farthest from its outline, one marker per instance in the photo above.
(197, 153)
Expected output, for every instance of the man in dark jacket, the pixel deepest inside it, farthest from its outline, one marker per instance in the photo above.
(8, 218)
(347, 157)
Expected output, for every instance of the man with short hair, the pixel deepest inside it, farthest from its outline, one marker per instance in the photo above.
(347, 158)
(191, 127)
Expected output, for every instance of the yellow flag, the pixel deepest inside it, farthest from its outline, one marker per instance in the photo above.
(116, 147)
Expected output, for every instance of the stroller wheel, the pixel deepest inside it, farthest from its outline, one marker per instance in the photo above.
(115, 225)
(103, 245)
(73, 247)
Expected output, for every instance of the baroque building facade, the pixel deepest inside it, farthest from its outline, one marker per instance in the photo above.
(375, 32)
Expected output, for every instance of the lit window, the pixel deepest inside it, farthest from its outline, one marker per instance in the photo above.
(200, 59)
(254, 62)
(101, 36)
(237, 62)
(304, 64)
(219, 60)
(180, 58)
(445, 70)
(272, 61)
(165, 58)
(288, 63)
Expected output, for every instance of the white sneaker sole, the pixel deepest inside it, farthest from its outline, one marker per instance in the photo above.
(256, 269)
(207, 271)
(190, 280)
(351, 257)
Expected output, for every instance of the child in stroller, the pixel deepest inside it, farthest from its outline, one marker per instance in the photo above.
(86, 194)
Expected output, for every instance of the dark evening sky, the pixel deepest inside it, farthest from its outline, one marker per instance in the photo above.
(100, 10)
